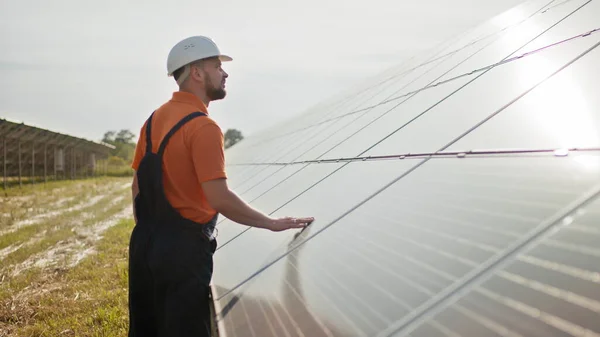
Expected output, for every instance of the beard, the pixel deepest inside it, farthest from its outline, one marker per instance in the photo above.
(215, 93)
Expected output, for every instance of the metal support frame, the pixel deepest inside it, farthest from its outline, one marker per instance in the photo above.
(4, 160)
(73, 163)
(32, 162)
(19, 146)
(54, 166)
(45, 163)
(19, 141)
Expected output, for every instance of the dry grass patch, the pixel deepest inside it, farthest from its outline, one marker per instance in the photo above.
(63, 258)
(88, 300)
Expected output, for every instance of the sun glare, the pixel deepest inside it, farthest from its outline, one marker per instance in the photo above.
(563, 113)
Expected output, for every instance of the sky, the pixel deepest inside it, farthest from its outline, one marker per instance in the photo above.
(86, 67)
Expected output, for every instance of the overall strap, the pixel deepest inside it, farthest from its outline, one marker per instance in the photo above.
(149, 134)
(177, 126)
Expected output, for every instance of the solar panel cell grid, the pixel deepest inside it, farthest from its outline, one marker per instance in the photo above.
(421, 235)
(537, 295)
(496, 243)
(474, 103)
(562, 110)
(520, 38)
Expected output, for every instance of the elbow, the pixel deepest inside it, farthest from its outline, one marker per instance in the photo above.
(218, 206)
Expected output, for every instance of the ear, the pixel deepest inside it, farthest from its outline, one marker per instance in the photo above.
(197, 73)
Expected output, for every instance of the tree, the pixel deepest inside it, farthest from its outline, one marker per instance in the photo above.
(124, 143)
(109, 137)
(125, 136)
(232, 136)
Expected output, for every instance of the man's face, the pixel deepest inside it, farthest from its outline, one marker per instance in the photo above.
(214, 78)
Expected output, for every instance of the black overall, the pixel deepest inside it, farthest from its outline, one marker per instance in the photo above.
(170, 258)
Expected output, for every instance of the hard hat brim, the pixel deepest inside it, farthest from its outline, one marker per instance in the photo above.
(225, 58)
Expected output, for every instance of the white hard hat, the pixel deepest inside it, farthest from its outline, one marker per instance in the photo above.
(192, 49)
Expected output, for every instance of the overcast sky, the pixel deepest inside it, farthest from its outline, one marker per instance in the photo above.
(85, 67)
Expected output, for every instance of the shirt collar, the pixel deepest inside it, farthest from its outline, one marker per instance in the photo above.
(191, 99)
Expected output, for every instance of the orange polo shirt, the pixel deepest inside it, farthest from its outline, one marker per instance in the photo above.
(194, 155)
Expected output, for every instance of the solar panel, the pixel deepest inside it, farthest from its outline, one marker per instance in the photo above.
(452, 117)
(422, 235)
(32, 153)
(564, 109)
(550, 288)
(456, 195)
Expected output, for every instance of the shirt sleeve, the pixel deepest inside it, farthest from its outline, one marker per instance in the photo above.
(208, 154)
(140, 149)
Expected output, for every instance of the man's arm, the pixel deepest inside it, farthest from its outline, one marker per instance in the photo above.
(206, 145)
(226, 202)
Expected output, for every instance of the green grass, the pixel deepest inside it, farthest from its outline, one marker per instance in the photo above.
(18, 203)
(60, 221)
(125, 171)
(88, 300)
(29, 189)
(57, 188)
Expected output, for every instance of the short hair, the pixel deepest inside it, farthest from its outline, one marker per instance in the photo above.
(180, 71)
(177, 73)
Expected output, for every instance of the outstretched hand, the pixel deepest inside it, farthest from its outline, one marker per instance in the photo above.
(281, 224)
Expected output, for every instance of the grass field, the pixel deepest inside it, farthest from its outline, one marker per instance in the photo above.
(63, 258)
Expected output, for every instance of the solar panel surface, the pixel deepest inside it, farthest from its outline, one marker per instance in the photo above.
(456, 195)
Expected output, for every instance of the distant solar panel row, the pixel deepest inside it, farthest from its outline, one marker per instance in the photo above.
(28, 152)
(480, 234)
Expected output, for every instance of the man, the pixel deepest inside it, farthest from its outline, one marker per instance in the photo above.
(178, 191)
